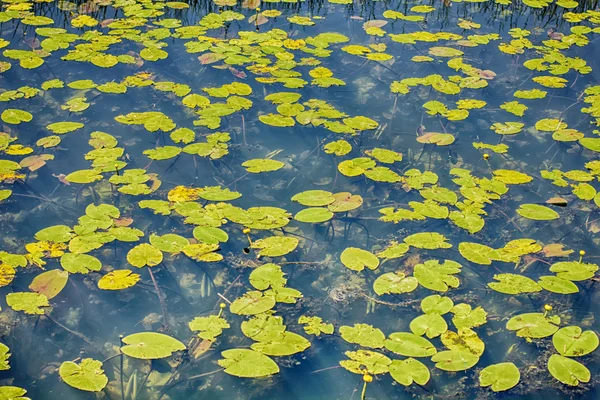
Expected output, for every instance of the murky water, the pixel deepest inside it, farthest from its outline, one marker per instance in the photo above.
(409, 132)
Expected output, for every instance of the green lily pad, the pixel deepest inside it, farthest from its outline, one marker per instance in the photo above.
(394, 283)
(366, 362)
(454, 360)
(252, 303)
(427, 240)
(537, 212)
(14, 116)
(275, 246)
(210, 235)
(314, 215)
(467, 317)
(150, 345)
(409, 345)
(144, 255)
(533, 325)
(209, 327)
(80, 263)
(500, 377)
(364, 335)
(88, 375)
(285, 344)
(314, 198)
(574, 270)
(408, 371)
(28, 302)
(572, 341)
(315, 325)
(514, 284)
(259, 165)
(357, 259)
(438, 276)
(246, 363)
(568, 371)
(169, 243)
(436, 304)
(431, 325)
(555, 284)
(267, 275)
(464, 340)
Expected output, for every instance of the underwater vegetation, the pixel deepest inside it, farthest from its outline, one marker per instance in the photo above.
(285, 199)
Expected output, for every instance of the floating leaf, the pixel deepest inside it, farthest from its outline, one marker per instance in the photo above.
(408, 371)
(533, 325)
(29, 303)
(314, 198)
(150, 345)
(431, 325)
(436, 304)
(210, 235)
(454, 360)
(557, 285)
(537, 212)
(500, 377)
(118, 280)
(357, 259)
(169, 243)
(210, 327)
(366, 362)
(514, 284)
(88, 375)
(568, 371)
(50, 283)
(267, 275)
(394, 283)
(315, 325)
(80, 263)
(572, 341)
(285, 344)
(465, 340)
(427, 240)
(14, 116)
(314, 215)
(574, 270)
(436, 276)
(144, 255)
(275, 246)
(363, 335)
(409, 345)
(252, 303)
(247, 363)
(259, 165)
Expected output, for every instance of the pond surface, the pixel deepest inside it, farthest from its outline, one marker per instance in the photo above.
(299, 200)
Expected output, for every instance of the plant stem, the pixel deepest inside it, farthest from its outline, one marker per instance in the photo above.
(161, 299)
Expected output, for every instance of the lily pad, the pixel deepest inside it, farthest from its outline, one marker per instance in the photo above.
(144, 255)
(500, 377)
(454, 360)
(568, 371)
(246, 363)
(394, 283)
(572, 341)
(533, 325)
(363, 335)
(252, 303)
(408, 371)
(357, 259)
(409, 345)
(88, 375)
(150, 345)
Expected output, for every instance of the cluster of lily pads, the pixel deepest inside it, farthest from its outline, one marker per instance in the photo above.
(120, 194)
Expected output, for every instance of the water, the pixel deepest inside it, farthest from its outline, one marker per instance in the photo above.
(85, 322)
